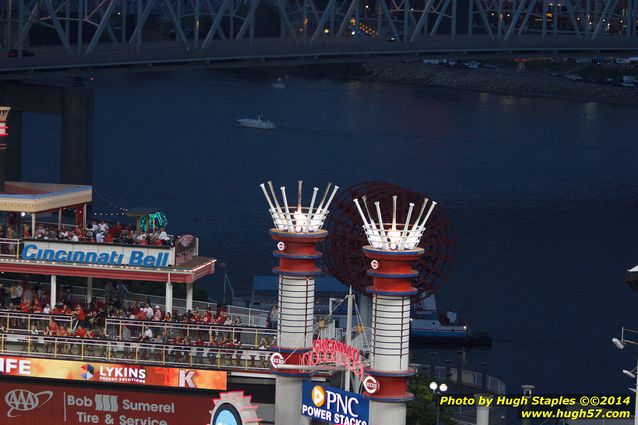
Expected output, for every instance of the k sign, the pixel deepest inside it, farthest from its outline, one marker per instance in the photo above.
(333, 405)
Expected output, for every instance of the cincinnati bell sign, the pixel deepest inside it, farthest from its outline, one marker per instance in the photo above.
(99, 254)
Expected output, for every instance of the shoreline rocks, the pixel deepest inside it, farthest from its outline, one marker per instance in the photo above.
(504, 82)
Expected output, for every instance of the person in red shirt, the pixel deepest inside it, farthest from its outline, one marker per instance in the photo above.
(80, 332)
(37, 308)
(53, 327)
(141, 315)
(80, 314)
(25, 306)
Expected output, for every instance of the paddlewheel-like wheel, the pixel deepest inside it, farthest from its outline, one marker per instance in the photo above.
(342, 249)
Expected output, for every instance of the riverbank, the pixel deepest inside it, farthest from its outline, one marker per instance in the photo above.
(500, 81)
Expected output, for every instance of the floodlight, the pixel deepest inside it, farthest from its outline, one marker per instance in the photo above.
(618, 343)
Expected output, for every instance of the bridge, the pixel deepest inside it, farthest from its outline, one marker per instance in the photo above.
(62, 38)
(68, 36)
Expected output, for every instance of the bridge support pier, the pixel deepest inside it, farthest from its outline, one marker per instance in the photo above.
(76, 153)
(13, 154)
(74, 105)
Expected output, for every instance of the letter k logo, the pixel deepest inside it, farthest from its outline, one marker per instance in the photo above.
(186, 378)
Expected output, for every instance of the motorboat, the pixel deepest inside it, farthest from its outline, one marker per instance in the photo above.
(259, 123)
(279, 84)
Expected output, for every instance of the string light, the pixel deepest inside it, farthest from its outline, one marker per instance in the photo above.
(122, 211)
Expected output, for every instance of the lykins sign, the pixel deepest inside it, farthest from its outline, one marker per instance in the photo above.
(333, 405)
(102, 254)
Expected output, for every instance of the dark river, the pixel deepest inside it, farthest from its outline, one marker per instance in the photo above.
(543, 194)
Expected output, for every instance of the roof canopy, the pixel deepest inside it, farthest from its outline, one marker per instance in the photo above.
(41, 197)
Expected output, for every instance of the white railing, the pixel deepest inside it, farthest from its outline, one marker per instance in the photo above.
(11, 320)
(179, 304)
(248, 316)
(249, 337)
(134, 352)
(10, 247)
(471, 379)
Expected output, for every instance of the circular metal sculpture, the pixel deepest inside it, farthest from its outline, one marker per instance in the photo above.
(342, 248)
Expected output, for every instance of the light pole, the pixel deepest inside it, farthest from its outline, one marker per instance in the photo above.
(437, 390)
(620, 344)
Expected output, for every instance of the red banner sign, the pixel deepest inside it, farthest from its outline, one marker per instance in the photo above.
(25, 403)
(113, 373)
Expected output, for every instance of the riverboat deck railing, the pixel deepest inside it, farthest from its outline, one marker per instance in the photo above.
(248, 316)
(10, 247)
(11, 320)
(253, 337)
(248, 337)
(105, 350)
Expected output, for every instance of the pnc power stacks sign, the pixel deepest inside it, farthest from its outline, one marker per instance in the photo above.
(333, 405)
(112, 373)
(34, 404)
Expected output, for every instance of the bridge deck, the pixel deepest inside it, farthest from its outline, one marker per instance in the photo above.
(265, 52)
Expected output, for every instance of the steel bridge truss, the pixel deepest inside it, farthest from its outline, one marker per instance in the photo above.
(79, 27)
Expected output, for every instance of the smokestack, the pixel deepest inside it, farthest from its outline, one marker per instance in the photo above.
(392, 249)
(297, 230)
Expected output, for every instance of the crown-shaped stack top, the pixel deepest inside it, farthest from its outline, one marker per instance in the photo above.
(394, 236)
(298, 219)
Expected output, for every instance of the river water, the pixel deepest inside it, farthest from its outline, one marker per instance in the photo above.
(542, 192)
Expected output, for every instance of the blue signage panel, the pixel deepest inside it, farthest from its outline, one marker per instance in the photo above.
(333, 405)
(86, 255)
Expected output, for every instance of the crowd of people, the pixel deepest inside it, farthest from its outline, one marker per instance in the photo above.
(90, 321)
(143, 343)
(95, 231)
(98, 232)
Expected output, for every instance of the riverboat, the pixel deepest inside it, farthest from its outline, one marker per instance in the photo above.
(429, 326)
(74, 330)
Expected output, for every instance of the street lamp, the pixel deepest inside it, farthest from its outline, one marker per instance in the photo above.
(633, 374)
(437, 389)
